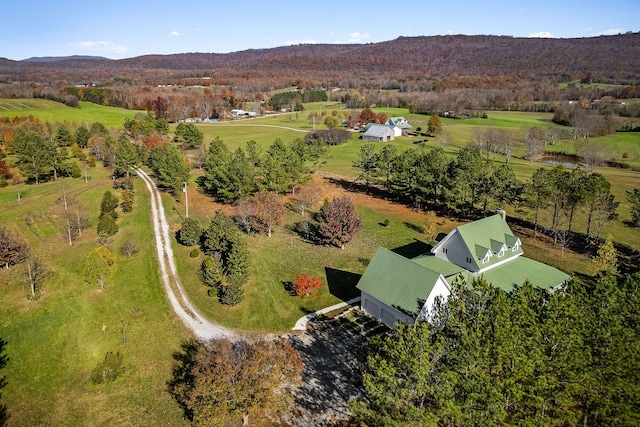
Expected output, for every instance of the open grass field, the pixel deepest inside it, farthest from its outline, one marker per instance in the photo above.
(55, 112)
(54, 342)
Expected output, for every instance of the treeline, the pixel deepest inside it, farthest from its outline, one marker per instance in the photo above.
(288, 99)
(526, 358)
(230, 176)
(471, 182)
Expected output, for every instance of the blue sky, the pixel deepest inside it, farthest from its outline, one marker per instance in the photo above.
(123, 29)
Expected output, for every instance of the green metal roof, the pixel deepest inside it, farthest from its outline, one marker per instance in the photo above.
(444, 267)
(490, 232)
(516, 272)
(398, 281)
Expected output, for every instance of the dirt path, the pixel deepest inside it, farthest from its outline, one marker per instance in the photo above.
(201, 327)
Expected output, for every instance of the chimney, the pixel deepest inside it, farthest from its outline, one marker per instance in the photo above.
(502, 213)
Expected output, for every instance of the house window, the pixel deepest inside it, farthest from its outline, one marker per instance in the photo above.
(501, 253)
(515, 247)
(469, 260)
(485, 259)
(444, 250)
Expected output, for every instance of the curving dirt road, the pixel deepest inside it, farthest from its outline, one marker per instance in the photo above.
(201, 327)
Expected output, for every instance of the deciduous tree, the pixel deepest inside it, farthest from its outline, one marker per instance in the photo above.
(434, 126)
(13, 248)
(533, 142)
(306, 285)
(221, 382)
(339, 221)
(268, 211)
(97, 266)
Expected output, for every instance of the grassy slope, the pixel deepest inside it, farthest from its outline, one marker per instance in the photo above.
(54, 342)
(58, 113)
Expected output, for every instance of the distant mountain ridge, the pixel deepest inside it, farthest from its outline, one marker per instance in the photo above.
(614, 58)
(64, 58)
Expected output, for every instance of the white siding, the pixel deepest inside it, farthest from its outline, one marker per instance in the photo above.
(382, 312)
(455, 251)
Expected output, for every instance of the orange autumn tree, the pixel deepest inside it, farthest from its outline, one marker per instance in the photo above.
(306, 285)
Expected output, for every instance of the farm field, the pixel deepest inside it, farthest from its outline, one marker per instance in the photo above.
(55, 112)
(54, 342)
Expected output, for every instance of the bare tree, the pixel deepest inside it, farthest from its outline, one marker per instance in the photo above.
(36, 273)
(533, 142)
(507, 142)
(307, 196)
(591, 153)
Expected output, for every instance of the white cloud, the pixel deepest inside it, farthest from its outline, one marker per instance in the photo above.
(610, 32)
(175, 34)
(541, 35)
(100, 46)
(358, 37)
(304, 41)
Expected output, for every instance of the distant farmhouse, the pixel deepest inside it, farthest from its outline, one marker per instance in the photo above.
(395, 126)
(398, 289)
(378, 133)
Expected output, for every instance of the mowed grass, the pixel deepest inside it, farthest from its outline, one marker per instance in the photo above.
(54, 112)
(275, 261)
(54, 342)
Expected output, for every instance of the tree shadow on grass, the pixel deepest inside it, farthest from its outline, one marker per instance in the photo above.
(342, 284)
(412, 249)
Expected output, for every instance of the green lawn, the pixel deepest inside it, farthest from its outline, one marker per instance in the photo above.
(54, 342)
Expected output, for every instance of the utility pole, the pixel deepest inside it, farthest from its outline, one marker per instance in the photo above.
(186, 199)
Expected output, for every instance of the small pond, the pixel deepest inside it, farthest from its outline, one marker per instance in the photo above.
(558, 162)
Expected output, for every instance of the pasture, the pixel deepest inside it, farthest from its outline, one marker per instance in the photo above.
(55, 112)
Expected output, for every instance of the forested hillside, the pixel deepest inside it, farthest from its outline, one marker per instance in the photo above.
(614, 59)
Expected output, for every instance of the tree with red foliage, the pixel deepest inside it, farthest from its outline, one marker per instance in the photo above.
(152, 142)
(5, 171)
(159, 106)
(306, 285)
(382, 118)
(367, 116)
(339, 221)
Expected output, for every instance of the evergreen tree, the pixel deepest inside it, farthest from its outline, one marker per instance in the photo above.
(190, 232)
(169, 168)
(633, 197)
(36, 155)
(189, 134)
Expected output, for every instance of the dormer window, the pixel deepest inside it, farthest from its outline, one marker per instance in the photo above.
(486, 259)
(501, 253)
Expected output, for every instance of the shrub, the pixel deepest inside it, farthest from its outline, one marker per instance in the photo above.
(129, 248)
(306, 285)
(109, 369)
(194, 253)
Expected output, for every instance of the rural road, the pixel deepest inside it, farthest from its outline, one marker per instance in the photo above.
(201, 327)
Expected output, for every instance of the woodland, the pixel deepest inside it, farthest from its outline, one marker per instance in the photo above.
(266, 243)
